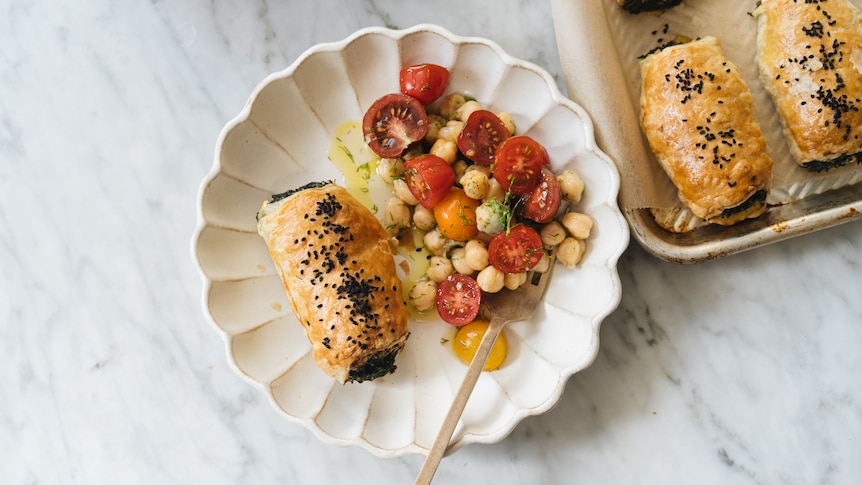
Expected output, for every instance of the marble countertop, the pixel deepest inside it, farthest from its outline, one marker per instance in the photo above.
(743, 370)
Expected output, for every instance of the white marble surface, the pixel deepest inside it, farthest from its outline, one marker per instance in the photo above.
(744, 370)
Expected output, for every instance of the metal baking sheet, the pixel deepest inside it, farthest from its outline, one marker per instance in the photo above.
(599, 44)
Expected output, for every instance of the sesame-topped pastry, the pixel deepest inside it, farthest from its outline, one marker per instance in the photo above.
(336, 263)
(638, 6)
(810, 53)
(698, 116)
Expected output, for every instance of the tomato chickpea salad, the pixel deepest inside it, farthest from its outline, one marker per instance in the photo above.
(484, 199)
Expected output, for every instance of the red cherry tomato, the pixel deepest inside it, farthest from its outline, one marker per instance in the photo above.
(458, 299)
(425, 82)
(516, 251)
(392, 123)
(481, 134)
(518, 164)
(429, 178)
(542, 203)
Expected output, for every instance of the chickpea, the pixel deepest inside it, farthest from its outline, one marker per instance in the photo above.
(476, 254)
(476, 184)
(435, 122)
(495, 191)
(465, 110)
(440, 267)
(390, 169)
(423, 218)
(435, 242)
(552, 234)
(423, 295)
(571, 186)
(570, 252)
(484, 169)
(458, 256)
(402, 191)
(451, 130)
(506, 118)
(460, 167)
(491, 279)
(396, 215)
(445, 149)
(450, 103)
(543, 265)
(579, 225)
(513, 281)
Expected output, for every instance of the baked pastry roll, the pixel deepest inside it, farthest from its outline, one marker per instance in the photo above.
(809, 54)
(698, 116)
(336, 263)
(638, 6)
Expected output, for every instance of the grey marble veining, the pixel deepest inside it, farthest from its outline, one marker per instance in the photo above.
(743, 370)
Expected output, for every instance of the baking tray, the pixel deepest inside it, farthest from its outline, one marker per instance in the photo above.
(599, 44)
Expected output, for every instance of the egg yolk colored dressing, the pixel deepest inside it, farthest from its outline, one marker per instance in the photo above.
(358, 164)
(349, 153)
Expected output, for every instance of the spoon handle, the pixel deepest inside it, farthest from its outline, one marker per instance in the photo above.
(441, 443)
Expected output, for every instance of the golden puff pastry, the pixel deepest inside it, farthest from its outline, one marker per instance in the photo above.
(336, 262)
(809, 53)
(698, 117)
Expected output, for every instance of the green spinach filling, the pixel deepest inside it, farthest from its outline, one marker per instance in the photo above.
(310, 185)
(820, 166)
(638, 6)
(756, 199)
(378, 365)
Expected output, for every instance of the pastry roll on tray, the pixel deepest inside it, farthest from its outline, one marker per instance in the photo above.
(809, 54)
(336, 263)
(698, 116)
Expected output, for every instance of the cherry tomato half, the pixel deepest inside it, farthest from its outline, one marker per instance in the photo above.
(518, 163)
(467, 342)
(541, 203)
(481, 135)
(392, 123)
(429, 178)
(456, 216)
(458, 299)
(516, 251)
(425, 82)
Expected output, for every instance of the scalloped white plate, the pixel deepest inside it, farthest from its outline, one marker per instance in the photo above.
(280, 141)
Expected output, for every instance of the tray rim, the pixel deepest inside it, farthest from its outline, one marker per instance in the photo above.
(804, 216)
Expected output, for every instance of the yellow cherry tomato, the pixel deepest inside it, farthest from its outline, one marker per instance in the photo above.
(456, 216)
(467, 342)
